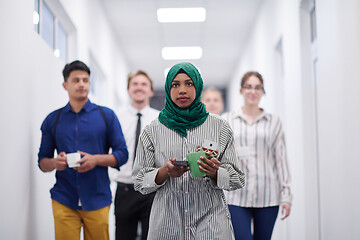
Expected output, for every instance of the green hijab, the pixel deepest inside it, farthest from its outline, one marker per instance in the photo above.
(180, 119)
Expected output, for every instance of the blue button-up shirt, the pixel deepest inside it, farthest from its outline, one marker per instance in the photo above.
(84, 131)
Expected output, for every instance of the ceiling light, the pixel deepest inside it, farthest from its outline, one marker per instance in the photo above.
(181, 14)
(176, 53)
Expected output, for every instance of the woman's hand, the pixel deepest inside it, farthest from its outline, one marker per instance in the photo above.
(175, 171)
(209, 166)
(170, 170)
(285, 210)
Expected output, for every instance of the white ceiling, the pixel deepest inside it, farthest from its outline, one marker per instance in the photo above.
(222, 36)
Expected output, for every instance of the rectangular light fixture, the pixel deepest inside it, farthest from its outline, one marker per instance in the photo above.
(197, 14)
(176, 53)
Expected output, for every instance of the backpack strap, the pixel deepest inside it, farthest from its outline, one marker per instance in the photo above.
(103, 115)
(106, 124)
(55, 125)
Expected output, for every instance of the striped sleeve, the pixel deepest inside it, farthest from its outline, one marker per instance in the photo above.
(282, 164)
(144, 172)
(230, 177)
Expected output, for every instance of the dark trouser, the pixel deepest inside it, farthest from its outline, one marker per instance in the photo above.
(263, 218)
(131, 207)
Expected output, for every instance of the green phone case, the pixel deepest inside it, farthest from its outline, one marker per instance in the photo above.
(192, 159)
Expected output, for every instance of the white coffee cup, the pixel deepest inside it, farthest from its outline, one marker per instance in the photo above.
(72, 159)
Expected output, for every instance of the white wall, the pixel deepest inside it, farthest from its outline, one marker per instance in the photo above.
(95, 35)
(309, 117)
(30, 88)
(279, 19)
(338, 91)
(321, 116)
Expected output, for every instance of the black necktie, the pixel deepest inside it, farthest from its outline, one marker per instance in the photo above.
(138, 127)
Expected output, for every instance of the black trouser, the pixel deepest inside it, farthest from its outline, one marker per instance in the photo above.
(131, 207)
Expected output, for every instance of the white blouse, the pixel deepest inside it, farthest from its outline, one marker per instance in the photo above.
(187, 207)
(261, 151)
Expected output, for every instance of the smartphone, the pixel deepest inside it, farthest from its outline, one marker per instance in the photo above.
(181, 163)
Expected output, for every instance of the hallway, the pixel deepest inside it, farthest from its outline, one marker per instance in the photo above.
(307, 50)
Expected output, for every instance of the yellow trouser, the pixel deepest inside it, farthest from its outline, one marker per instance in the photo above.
(68, 223)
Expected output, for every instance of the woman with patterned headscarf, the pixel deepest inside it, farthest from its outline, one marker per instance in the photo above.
(187, 207)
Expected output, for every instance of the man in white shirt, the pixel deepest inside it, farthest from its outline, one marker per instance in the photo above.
(131, 207)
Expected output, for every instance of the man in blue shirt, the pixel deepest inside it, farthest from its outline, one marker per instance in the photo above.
(81, 195)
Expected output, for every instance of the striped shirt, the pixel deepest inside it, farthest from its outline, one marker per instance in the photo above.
(261, 151)
(187, 207)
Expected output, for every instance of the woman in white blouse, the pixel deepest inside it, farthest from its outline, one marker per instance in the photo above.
(187, 207)
(261, 149)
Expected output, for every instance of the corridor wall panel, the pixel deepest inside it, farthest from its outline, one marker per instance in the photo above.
(30, 88)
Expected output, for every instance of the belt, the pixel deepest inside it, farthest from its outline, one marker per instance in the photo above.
(120, 184)
(126, 186)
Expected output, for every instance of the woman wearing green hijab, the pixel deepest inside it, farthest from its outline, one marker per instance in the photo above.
(187, 207)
